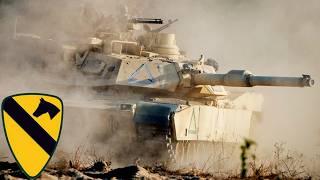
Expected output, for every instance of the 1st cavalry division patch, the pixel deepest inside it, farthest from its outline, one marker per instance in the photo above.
(32, 125)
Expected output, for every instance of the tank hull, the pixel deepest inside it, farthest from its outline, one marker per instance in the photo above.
(192, 134)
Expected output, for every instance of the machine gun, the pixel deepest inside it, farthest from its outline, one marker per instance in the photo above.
(145, 21)
(152, 21)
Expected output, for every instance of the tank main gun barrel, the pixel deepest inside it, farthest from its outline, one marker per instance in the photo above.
(242, 78)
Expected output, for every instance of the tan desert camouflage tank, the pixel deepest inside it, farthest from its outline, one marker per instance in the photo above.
(181, 101)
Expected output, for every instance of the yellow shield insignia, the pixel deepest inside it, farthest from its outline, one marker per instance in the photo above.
(32, 124)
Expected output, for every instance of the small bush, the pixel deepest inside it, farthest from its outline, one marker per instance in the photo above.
(245, 152)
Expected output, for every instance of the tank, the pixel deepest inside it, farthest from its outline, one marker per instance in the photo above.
(178, 102)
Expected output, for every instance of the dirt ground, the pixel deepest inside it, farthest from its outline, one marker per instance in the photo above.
(102, 170)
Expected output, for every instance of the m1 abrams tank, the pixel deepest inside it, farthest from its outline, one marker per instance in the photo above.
(179, 102)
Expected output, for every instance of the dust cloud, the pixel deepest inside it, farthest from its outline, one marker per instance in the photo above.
(266, 37)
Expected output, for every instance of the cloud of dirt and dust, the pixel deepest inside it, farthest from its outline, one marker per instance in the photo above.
(265, 37)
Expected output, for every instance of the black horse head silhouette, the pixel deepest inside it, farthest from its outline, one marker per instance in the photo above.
(46, 107)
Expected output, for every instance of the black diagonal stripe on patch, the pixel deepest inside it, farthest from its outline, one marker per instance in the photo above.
(29, 125)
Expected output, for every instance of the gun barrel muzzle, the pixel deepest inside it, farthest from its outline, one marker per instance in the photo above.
(304, 81)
